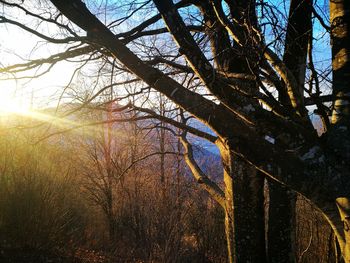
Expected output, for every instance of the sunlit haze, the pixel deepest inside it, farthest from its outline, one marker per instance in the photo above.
(12, 105)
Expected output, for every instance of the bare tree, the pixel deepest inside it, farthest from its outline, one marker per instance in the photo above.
(250, 95)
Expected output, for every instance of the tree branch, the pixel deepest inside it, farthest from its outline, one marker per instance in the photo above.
(177, 124)
(38, 34)
(211, 187)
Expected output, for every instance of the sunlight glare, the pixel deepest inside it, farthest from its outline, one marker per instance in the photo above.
(10, 105)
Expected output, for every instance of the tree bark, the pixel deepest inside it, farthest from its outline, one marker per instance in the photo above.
(281, 219)
(339, 137)
(297, 38)
(339, 13)
(281, 224)
(244, 209)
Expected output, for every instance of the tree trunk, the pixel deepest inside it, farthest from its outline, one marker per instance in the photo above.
(339, 138)
(281, 224)
(297, 38)
(343, 205)
(244, 209)
(337, 215)
(281, 219)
